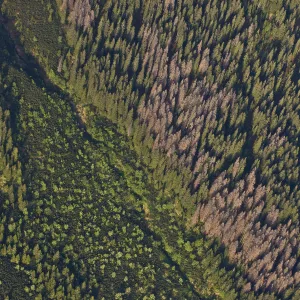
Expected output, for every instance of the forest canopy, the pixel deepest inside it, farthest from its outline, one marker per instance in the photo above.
(150, 149)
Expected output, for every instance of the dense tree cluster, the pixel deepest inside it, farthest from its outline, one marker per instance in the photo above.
(208, 93)
(12, 204)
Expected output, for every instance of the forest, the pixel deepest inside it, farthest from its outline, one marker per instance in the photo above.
(149, 149)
